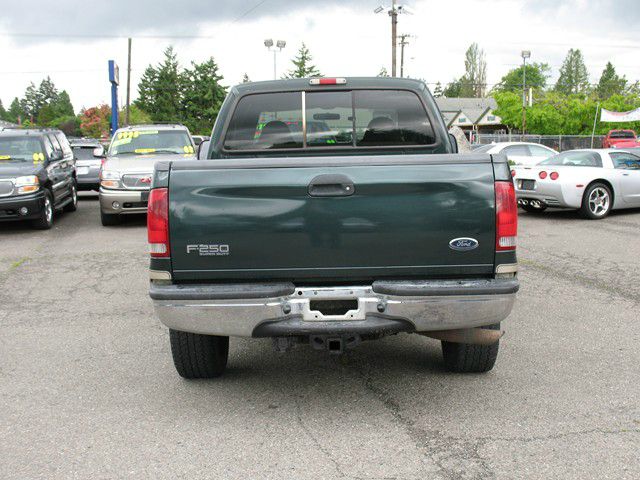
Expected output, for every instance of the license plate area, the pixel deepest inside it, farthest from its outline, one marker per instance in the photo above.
(527, 184)
(331, 304)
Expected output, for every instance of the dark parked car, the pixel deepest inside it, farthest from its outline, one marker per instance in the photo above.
(37, 176)
(88, 153)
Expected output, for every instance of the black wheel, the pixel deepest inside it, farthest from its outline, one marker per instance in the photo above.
(597, 201)
(45, 221)
(109, 220)
(467, 358)
(199, 356)
(73, 205)
(533, 208)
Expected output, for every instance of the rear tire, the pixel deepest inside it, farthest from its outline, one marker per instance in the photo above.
(468, 358)
(109, 220)
(199, 356)
(45, 221)
(597, 202)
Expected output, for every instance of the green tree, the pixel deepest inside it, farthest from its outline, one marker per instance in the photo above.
(474, 81)
(437, 91)
(537, 76)
(137, 116)
(610, 83)
(15, 113)
(3, 113)
(160, 89)
(302, 66)
(31, 103)
(202, 96)
(574, 77)
(453, 89)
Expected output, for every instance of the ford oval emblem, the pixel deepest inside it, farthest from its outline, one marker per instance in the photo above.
(463, 244)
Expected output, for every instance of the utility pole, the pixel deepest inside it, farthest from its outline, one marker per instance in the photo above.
(393, 13)
(403, 43)
(525, 54)
(126, 115)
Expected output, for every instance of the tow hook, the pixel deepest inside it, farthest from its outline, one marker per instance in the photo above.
(336, 345)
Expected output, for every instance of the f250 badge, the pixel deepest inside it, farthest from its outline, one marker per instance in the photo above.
(217, 250)
(463, 244)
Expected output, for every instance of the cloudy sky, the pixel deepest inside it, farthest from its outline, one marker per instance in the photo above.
(71, 41)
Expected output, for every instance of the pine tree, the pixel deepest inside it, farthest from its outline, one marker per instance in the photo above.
(574, 77)
(3, 113)
(15, 113)
(437, 91)
(303, 68)
(160, 89)
(202, 96)
(610, 83)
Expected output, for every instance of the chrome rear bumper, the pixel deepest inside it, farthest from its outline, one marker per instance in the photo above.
(281, 309)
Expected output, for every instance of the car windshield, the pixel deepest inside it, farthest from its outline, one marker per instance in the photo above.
(575, 158)
(141, 142)
(84, 152)
(622, 134)
(21, 149)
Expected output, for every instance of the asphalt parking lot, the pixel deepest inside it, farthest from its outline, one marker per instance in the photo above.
(88, 389)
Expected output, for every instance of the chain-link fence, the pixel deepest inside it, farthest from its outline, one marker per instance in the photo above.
(557, 142)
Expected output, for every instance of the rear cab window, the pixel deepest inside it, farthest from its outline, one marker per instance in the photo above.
(347, 119)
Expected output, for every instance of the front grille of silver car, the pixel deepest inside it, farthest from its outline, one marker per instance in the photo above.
(6, 188)
(141, 181)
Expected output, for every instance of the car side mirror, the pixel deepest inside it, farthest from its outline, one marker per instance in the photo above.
(98, 152)
(203, 149)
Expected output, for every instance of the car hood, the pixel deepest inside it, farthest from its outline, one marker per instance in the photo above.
(12, 169)
(140, 163)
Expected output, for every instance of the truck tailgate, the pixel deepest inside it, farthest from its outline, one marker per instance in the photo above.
(320, 218)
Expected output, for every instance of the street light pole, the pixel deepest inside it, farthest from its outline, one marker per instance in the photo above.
(525, 54)
(280, 44)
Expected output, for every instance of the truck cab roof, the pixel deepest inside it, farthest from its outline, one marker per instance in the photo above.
(296, 84)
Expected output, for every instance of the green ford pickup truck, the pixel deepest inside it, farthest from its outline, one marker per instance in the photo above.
(326, 212)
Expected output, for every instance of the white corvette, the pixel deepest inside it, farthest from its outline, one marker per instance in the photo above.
(593, 181)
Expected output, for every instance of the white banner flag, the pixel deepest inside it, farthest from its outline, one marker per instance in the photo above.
(632, 116)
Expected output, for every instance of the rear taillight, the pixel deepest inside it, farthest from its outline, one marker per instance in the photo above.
(554, 175)
(542, 175)
(158, 222)
(506, 216)
(513, 173)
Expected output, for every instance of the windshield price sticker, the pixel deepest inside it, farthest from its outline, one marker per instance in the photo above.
(188, 149)
(5, 157)
(38, 158)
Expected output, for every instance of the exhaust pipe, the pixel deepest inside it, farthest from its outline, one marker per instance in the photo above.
(473, 336)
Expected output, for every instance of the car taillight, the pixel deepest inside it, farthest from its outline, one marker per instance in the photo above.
(506, 216)
(513, 173)
(554, 175)
(158, 222)
(542, 175)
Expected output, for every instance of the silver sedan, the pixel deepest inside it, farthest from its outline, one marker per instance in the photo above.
(593, 181)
